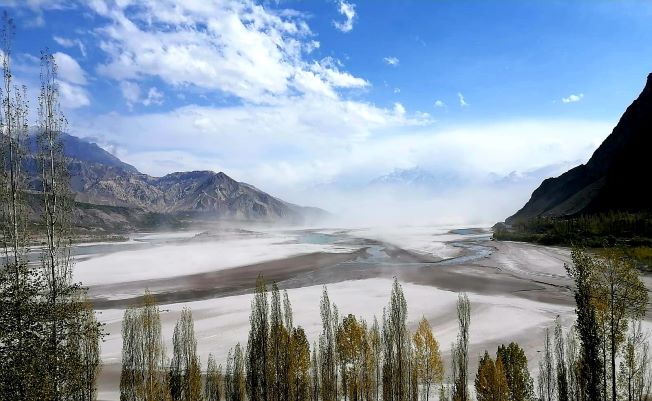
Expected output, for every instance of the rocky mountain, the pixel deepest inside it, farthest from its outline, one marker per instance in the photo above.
(112, 194)
(614, 179)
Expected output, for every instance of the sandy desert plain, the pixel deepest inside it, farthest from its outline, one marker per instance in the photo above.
(516, 289)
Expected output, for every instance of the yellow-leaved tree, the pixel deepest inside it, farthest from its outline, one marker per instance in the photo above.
(428, 358)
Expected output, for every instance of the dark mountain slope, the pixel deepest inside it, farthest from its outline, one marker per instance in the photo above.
(615, 179)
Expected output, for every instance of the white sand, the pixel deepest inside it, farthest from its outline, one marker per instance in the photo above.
(430, 240)
(221, 323)
(171, 260)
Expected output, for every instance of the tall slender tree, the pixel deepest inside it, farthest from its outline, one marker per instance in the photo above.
(460, 359)
(185, 375)
(21, 286)
(235, 375)
(519, 382)
(375, 342)
(257, 347)
(397, 346)
(314, 374)
(560, 362)
(582, 272)
(547, 377)
(619, 288)
(143, 375)
(327, 368)
(428, 358)
(634, 378)
(64, 298)
(572, 364)
(213, 382)
(299, 374)
(88, 339)
(278, 348)
(490, 380)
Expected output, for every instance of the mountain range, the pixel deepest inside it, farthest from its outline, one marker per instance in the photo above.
(114, 196)
(613, 180)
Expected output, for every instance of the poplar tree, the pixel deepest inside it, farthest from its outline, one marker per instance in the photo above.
(634, 378)
(235, 375)
(63, 297)
(257, 346)
(299, 374)
(213, 383)
(314, 374)
(185, 374)
(327, 368)
(350, 346)
(624, 296)
(519, 382)
(289, 358)
(375, 341)
(143, 375)
(460, 354)
(278, 348)
(573, 365)
(402, 345)
(590, 367)
(427, 357)
(21, 286)
(89, 338)
(490, 380)
(547, 377)
(560, 363)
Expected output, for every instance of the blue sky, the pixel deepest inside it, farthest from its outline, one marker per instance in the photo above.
(296, 95)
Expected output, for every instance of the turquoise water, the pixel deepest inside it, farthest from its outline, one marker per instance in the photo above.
(316, 238)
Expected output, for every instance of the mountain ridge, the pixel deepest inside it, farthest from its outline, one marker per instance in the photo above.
(613, 178)
(100, 179)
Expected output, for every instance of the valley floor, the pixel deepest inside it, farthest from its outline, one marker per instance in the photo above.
(515, 289)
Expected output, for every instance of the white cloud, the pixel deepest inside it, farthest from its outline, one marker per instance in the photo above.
(69, 69)
(250, 139)
(73, 96)
(439, 104)
(397, 90)
(37, 4)
(130, 92)
(463, 102)
(348, 11)
(399, 109)
(573, 98)
(393, 61)
(154, 96)
(72, 79)
(65, 42)
(234, 46)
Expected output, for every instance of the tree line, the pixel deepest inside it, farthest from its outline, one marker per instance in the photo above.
(49, 336)
(591, 230)
(603, 356)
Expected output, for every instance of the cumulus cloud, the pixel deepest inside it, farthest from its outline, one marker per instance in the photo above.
(393, 61)
(463, 102)
(72, 81)
(69, 69)
(235, 47)
(348, 11)
(440, 104)
(572, 98)
(73, 96)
